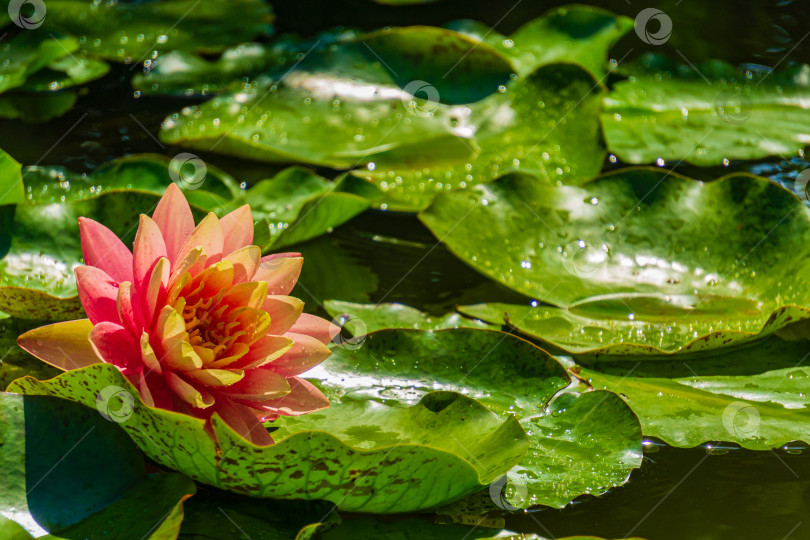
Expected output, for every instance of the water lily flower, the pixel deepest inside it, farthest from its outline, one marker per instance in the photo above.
(195, 318)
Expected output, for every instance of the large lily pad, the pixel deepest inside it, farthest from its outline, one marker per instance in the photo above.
(708, 115)
(366, 318)
(133, 32)
(579, 443)
(758, 412)
(720, 265)
(362, 455)
(70, 472)
(577, 34)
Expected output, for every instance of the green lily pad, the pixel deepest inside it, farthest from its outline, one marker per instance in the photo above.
(132, 32)
(322, 119)
(708, 115)
(580, 444)
(297, 205)
(66, 72)
(15, 362)
(365, 318)
(450, 67)
(34, 108)
(544, 124)
(758, 412)
(29, 52)
(70, 472)
(577, 34)
(705, 276)
(333, 454)
(11, 182)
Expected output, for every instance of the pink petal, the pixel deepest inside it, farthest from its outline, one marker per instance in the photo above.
(321, 329)
(237, 227)
(149, 248)
(63, 345)
(283, 311)
(306, 353)
(116, 346)
(98, 294)
(175, 220)
(258, 385)
(280, 271)
(243, 421)
(129, 308)
(195, 397)
(303, 398)
(264, 350)
(155, 293)
(208, 236)
(103, 249)
(245, 262)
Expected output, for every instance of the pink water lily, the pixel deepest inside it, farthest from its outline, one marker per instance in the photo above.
(195, 318)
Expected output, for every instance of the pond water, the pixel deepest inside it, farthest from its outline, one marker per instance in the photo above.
(709, 492)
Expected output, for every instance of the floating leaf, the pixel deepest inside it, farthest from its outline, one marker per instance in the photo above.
(29, 52)
(127, 32)
(361, 456)
(577, 34)
(372, 317)
(52, 448)
(719, 267)
(11, 182)
(33, 108)
(584, 443)
(708, 115)
(297, 205)
(544, 124)
(758, 412)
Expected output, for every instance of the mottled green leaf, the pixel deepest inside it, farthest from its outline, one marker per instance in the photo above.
(69, 471)
(361, 456)
(719, 266)
(707, 115)
(579, 443)
(365, 318)
(133, 32)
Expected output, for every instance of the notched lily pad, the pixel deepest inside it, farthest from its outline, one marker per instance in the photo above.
(366, 318)
(580, 444)
(721, 266)
(362, 456)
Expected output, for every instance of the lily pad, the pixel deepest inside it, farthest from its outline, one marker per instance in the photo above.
(544, 124)
(70, 472)
(15, 362)
(34, 108)
(365, 318)
(580, 444)
(132, 32)
(707, 115)
(334, 455)
(11, 182)
(30, 52)
(758, 412)
(577, 34)
(719, 268)
(297, 205)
